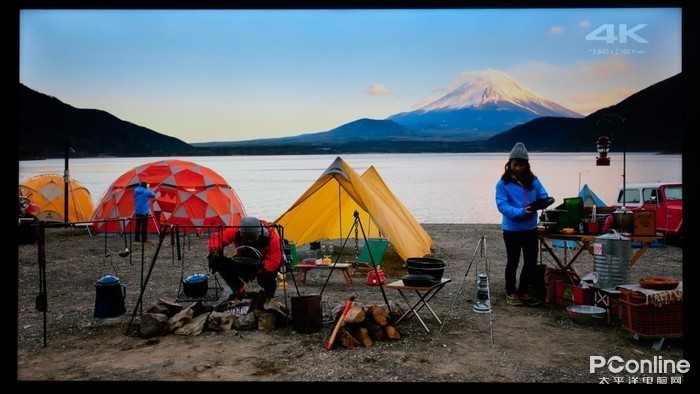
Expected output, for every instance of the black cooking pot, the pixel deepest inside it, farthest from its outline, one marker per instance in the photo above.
(247, 266)
(425, 266)
(419, 280)
(196, 285)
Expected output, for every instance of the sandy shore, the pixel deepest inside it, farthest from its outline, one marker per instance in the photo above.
(531, 344)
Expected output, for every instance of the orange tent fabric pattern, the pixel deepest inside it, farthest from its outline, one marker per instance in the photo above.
(187, 194)
(48, 192)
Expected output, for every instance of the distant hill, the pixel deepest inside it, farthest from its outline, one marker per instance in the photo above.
(484, 104)
(46, 123)
(653, 122)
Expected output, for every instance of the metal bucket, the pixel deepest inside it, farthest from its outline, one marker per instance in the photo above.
(306, 314)
(612, 264)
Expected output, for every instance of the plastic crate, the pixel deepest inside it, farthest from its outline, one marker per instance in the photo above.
(649, 320)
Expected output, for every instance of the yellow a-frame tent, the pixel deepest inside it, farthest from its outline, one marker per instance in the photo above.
(326, 210)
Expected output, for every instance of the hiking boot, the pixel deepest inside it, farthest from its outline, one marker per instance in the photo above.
(529, 301)
(513, 299)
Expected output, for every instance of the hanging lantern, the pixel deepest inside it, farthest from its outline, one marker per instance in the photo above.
(603, 147)
(483, 305)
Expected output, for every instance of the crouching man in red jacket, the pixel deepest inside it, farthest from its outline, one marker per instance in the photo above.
(253, 238)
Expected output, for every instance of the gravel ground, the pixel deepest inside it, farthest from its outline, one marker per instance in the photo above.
(530, 344)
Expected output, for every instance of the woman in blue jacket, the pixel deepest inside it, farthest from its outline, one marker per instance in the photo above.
(515, 191)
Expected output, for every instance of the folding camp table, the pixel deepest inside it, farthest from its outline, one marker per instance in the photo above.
(425, 294)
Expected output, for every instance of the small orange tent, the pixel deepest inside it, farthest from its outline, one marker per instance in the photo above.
(186, 194)
(48, 192)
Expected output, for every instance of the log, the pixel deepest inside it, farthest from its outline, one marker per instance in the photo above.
(380, 314)
(179, 319)
(361, 334)
(219, 321)
(396, 310)
(356, 314)
(375, 332)
(159, 309)
(198, 308)
(195, 327)
(346, 340)
(392, 332)
(173, 307)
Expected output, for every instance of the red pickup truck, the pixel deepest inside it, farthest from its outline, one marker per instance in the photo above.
(665, 199)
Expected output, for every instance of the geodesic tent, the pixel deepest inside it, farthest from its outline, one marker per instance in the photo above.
(186, 194)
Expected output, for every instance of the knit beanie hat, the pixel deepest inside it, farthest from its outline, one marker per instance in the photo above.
(519, 152)
(253, 230)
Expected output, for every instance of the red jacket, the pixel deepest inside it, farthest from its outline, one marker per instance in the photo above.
(268, 245)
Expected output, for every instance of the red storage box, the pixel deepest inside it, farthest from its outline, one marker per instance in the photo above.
(649, 320)
(580, 295)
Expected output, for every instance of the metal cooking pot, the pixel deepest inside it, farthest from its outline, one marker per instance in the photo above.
(196, 285)
(588, 315)
(425, 266)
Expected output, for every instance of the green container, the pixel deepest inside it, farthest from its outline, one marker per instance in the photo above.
(574, 212)
(291, 252)
(377, 246)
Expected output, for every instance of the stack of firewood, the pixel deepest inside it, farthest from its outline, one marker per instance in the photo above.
(364, 326)
(166, 317)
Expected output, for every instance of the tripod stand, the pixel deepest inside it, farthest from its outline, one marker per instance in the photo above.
(355, 225)
(481, 249)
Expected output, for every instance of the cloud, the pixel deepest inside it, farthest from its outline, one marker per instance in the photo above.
(423, 102)
(555, 30)
(613, 65)
(587, 102)
(377, 90)
(584, 23)
(584, 86)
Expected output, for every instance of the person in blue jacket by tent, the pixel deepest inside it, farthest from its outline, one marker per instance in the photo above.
(515, 191)
(142, 210)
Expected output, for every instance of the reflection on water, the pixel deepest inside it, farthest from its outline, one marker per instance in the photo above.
(436, 188)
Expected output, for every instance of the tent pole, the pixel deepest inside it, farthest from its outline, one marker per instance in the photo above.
(340, 216)
(66, 180)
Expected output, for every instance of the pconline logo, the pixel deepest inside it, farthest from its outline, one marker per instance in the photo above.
(657, 364)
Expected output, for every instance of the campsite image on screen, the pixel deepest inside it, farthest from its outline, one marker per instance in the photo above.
(468, 194)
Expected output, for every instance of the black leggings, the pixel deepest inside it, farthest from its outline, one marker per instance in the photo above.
(515, 242)
(141, 227)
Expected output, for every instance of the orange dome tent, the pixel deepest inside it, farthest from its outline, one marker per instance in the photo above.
(48, 192)
(186, 194)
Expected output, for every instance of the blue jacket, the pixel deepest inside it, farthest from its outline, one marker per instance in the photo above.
(511, 200)
(141, 196)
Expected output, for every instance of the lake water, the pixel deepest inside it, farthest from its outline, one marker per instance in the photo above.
(435, 187)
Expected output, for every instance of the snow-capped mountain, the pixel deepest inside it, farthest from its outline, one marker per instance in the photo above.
(488, 101)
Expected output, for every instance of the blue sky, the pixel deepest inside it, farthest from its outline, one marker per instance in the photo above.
(224, 75)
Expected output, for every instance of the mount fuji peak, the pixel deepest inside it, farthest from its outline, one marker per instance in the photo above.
(488, 101)
(492, 87)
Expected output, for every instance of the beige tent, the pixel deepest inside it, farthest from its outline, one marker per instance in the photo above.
(326, 209)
